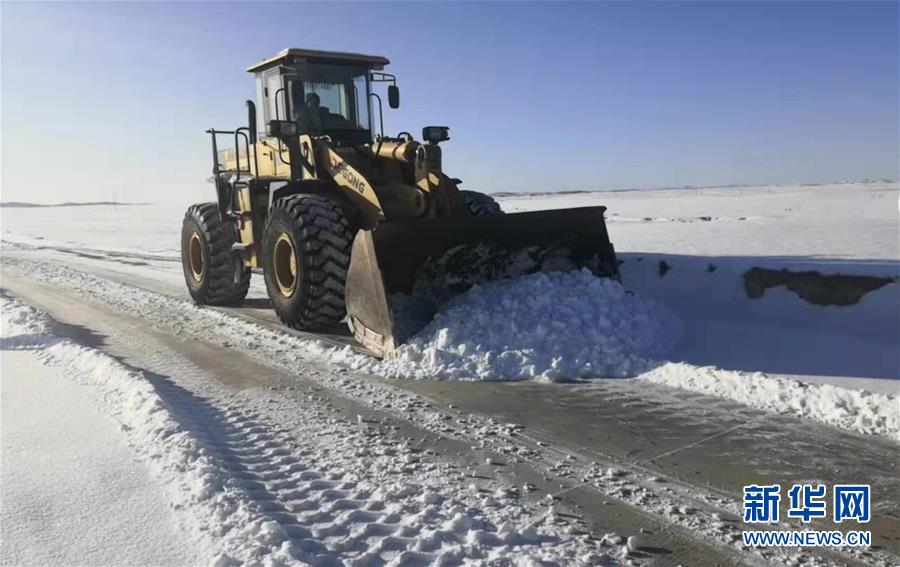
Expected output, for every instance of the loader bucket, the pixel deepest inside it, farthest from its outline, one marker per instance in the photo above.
(446, 256)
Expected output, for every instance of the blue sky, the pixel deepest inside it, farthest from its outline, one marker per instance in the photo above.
(111, 100)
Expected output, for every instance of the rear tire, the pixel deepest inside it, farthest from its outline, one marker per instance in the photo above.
(214, 273)
(305, 255)
(481, 205)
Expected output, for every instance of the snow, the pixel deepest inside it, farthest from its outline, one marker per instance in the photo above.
(240, 491)
(780, 334)
(832, 221)
(70, 482)
(565, 326)
(855, 410)
(72, 491)
(848, 224)
(835, 364)
(330, 449)
(555, 326)
(140, 470)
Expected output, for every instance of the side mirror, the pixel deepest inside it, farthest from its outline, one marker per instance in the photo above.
(251, 120)
(393, 96)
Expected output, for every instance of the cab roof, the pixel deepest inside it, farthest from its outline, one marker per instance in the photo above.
(291, 53)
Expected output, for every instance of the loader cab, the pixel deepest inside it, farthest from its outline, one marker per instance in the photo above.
(324, 93)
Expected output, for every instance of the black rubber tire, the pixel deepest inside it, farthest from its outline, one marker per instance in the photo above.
(481, 205)
(216, 274)
(321, 238)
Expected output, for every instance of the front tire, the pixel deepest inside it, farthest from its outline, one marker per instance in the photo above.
(215, 274)
(480, 204)
(305, 254)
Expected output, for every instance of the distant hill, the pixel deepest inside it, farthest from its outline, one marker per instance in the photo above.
(20, 204)
(868, 181)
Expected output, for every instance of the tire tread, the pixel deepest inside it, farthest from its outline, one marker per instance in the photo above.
(325, 239)
(480, 204)
(223, 288)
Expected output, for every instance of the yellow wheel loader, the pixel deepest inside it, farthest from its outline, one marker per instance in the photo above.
(341, 218)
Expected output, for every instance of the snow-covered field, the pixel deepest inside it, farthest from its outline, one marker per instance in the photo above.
(856, 222)
(686, 316)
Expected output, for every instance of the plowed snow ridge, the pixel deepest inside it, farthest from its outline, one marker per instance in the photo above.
(855, 410)
(553, 326)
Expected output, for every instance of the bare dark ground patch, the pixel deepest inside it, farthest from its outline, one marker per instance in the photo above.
(814, 287)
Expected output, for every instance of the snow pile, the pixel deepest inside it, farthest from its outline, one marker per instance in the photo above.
(555, 326)
(856, 410)
(21, 327)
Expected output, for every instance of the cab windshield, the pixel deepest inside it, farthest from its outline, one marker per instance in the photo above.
(331, 100)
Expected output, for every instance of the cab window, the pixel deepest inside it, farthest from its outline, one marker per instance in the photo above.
(330, 99)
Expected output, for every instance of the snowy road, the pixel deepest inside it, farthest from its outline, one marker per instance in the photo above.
(263, 465)
(625, 456)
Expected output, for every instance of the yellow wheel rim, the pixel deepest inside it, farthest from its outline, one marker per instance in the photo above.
(195, 256)
(285, 265)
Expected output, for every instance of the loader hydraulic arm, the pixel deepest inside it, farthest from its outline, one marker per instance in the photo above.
(445, 200)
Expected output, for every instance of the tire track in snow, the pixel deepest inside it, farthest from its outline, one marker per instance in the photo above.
(319, 516)
(326, 517)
